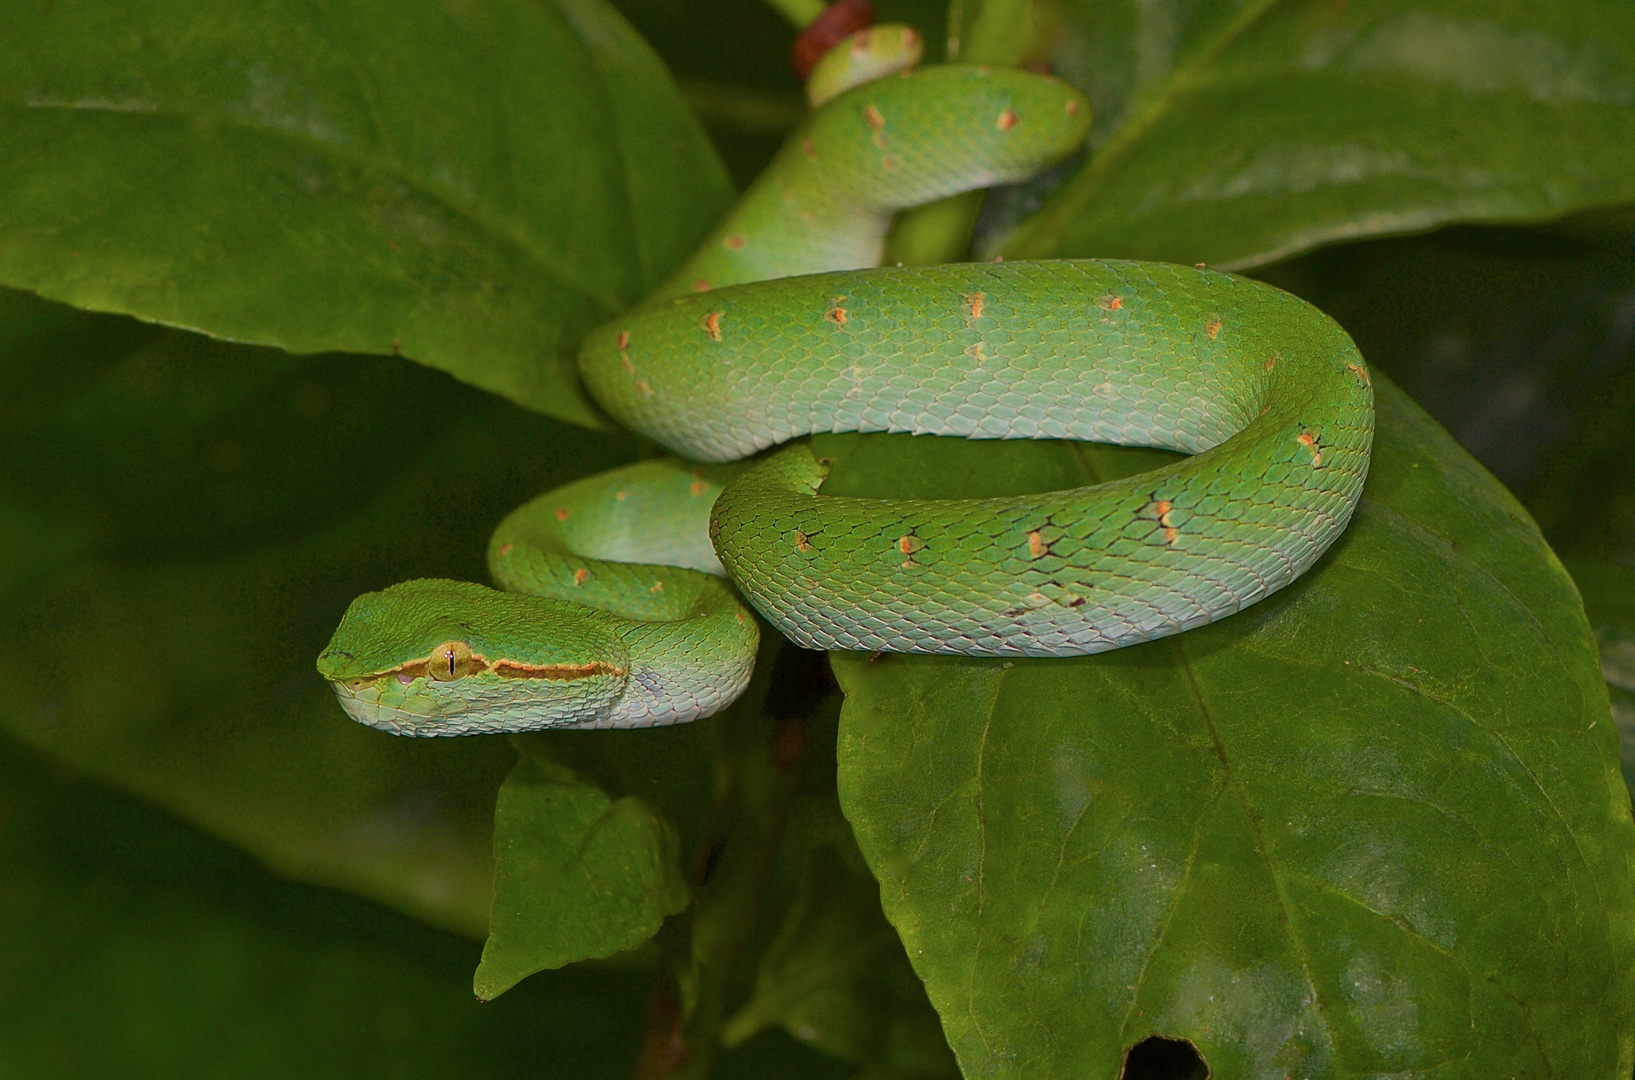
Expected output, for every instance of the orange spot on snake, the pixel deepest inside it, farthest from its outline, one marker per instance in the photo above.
(1159, 510)
(1072, 108)
(803, 543)
(910, 545)
(712, 325)
(808, 149)
(735, 242)
(872, 115)
(702, 285)
(973, 306)
(1310, 440)
(621, 495)
(698, 488)
(505, 549)
(562, 515)
(1037, 548)
(641, 385)
(975, 353)
(888, 163)
(1213, 328)
(1271, 362)
(836, 314)
(1109, 302)
(1359, 371)
(1200, 266)
(624, 339)
(1007, 120)
(658, 586)
(580, 575)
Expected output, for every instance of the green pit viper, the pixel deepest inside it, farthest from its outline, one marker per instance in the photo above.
(616, 612)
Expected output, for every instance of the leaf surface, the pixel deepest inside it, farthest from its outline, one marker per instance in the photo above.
(1238, 134)
(1373, 824)
(471, 185)
(581, 874)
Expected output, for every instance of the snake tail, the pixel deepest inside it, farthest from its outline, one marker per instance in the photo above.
(827, 199)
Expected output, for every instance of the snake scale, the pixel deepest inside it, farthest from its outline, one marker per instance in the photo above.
(615, 612)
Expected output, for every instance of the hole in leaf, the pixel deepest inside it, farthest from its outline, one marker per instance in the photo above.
(1158, 1058)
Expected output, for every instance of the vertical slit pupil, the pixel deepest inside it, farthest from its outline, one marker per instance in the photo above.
(1158, 1058)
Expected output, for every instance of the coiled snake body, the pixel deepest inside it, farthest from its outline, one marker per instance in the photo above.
(615, 614)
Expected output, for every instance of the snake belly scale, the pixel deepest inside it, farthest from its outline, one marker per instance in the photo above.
(616, 613)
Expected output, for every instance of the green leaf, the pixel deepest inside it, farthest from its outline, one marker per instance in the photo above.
(1373, 824)
(836, 976)
(473, 185)
(182, 523)
(581, 874)
(1238, 134)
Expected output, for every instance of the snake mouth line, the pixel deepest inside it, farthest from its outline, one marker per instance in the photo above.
(440, 668)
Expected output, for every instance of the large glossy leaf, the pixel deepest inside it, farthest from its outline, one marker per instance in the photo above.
(182, 523)
(1373, 825)
(1240, 133)
(473, 185)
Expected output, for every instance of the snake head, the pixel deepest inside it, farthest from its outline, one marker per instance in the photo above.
(436, 657)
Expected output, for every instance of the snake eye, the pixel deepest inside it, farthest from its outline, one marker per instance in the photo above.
(449, 661)
(358, 685)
